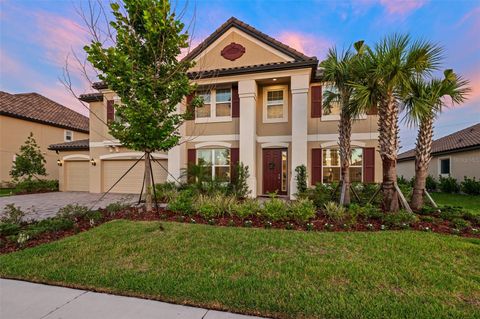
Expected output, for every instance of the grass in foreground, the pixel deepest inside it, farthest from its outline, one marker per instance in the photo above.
(6, 191)
(268, 272)
(469, 202)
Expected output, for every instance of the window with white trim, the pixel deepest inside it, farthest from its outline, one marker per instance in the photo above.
(68, 136)
(218, 162)
(444, 166)
(334, 110)
(331, 165)
(275, 105)
(217, 105)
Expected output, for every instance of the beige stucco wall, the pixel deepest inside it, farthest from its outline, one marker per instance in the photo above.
(14, 132)
(461, 164)
(254, 53)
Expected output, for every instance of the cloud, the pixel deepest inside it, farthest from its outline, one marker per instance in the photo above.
(305, 43)
(402, 7)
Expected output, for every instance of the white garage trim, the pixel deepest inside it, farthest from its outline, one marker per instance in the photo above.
(209, 144)
(132, 155)
(76, 157)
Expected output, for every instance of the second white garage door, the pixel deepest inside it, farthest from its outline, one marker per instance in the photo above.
(132, 182)
(76, 176)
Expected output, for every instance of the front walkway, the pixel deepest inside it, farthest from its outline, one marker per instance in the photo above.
(24, 300)
(44, 205)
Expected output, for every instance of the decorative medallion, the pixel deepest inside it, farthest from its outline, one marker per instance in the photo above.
(233, 51)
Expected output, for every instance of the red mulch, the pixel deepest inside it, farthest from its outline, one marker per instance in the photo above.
(320, 223)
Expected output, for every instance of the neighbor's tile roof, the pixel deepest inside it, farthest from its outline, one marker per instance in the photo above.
(466, 138)
(37, 108)
(78, 145)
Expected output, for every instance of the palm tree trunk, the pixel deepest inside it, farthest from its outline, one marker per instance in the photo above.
(388, 142)
(422, 160)
(345, 133)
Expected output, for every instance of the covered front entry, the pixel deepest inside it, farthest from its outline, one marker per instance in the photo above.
(275, 170)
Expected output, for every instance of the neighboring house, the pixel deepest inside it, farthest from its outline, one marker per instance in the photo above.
(262, 107)
(456, 155)
(50, 122)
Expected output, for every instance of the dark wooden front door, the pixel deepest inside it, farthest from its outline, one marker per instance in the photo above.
(275, 170)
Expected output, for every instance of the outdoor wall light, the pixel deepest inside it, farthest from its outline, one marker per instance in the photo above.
(274, 79)
(59, 162)
(92, 161)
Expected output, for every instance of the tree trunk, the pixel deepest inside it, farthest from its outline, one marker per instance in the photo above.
(422, 160)
(345, 132)
(388, 142)
(148, 183)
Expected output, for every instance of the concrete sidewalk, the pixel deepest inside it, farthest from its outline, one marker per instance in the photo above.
(24, 300)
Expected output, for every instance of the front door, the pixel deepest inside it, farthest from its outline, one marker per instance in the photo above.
(275, 170)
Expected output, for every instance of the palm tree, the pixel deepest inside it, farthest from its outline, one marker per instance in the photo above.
(386, 70)
(423, 101)
(338, 71)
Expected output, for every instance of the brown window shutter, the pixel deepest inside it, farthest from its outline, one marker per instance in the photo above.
(372, 111)
(369, 165)
(235, 102)
(192, 160)
(234, 159)
(110, 111)
(316, 101)
(316, 166)
(190, 108)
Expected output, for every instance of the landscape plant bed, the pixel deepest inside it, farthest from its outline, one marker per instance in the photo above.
(319, 223)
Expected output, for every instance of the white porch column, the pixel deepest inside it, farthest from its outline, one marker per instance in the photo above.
(247, 91)
(176, 155)
(299, 86)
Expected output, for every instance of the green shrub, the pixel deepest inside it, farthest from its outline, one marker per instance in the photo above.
(451, 212)
(248, 207)
(72, 211)
(301, 179)
(8, 229)
(474, 218)
(275, 209)
(431, 184)
(166, 191)
(35, 186)
(399, 219)
(448, 185)
(402, 180)
(366, 191)
(49, 225)
(335, 212)
(239, 183)
(460, 223)
(470, 186)
(214, 206)
(367, 211)
(12, 214)
(302, 210)
(183, 202)
(113, 208)
(319, 195)
(94, 216)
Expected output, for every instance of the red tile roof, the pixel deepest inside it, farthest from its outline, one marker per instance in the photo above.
(78, 145)
(464, 139)
(37, 108)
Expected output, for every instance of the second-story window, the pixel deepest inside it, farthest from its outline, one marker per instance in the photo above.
(217, 105)
(68, 136)
(275, 108)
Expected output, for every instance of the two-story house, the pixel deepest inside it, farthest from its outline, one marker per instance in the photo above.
(262, 107)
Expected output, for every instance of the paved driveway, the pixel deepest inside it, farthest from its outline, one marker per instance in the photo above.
(40, 206)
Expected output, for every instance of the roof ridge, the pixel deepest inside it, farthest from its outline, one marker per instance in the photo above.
(233, 21)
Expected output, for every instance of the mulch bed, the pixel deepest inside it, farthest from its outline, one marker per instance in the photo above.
(320, 223)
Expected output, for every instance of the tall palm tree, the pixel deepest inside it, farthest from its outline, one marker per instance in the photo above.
(423, 101)
(338, 71)
(386, 71)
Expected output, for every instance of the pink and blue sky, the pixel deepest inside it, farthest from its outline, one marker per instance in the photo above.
(37, 35)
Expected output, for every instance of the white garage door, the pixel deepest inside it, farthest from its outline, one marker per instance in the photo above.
(76, 176)
(132, 182)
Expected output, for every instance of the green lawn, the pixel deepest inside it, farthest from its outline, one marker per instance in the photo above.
(469, 202)
(280, 273)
